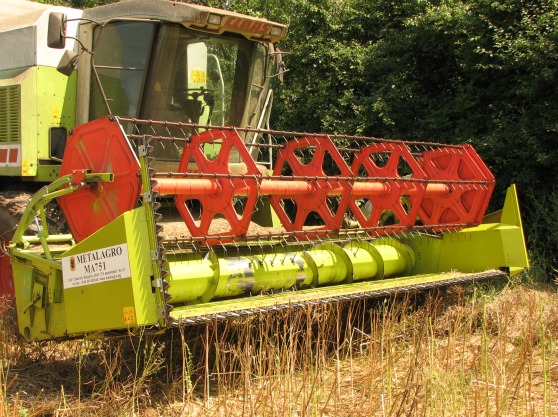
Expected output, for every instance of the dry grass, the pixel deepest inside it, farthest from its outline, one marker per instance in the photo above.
(453, 353)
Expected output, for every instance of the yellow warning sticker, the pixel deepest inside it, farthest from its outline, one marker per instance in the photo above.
(56, 114)
(197, 76)
(25, 167)
(129, 315)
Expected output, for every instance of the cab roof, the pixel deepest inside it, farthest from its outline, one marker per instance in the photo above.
(193, 16)
(17, 14)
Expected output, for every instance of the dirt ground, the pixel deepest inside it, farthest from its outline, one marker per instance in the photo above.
(177, 229)
(12, 207)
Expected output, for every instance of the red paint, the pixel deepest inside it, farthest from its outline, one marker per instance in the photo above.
(101, 147)
(219, 202)
(444, 188)
(471, 189)
(6, 276)
(12, 159)
(317, 201)
(413, 187)
(247, 25)
(3, 155)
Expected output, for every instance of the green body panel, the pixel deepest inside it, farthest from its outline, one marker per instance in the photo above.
(124, 299)
(52, 303)
(284, 300)
(48, 99)
(496, 243)
(39, 300)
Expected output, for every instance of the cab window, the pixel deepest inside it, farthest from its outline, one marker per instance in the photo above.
(120, 59)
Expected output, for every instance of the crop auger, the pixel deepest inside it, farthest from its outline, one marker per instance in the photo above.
(154, 244)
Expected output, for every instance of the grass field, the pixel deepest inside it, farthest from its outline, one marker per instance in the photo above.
(457, 352)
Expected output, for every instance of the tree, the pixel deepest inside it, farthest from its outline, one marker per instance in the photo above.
(480, 71)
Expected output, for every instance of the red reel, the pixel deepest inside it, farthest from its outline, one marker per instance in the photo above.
(393, 165)
(99, 146)
(220, 200)
(292, 159)
(470, 182)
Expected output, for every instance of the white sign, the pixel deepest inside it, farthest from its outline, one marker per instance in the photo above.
(101, 265)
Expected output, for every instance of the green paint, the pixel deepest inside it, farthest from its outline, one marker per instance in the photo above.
(48, 99)
(288, 298)
(105, 303)
(496, 243)
(49, 307)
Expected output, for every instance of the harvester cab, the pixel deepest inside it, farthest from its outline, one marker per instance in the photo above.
(183, 206)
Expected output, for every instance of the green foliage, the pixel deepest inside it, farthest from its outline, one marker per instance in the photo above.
(542, 240)
(78, 4)
(481, 71)
(325, 62)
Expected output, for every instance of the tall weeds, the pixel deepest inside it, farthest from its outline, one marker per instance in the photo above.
(442, 354)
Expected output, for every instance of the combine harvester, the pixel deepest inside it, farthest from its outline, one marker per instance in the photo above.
(183, 206)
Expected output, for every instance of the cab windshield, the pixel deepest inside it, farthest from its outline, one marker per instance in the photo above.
(167, 72)
(197, 79)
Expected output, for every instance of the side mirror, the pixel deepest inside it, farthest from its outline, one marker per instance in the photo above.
(56, 37)
(68, 63)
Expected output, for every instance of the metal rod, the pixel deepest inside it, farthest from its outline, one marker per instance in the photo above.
(341, 233)
(168, 175)
(182, 186)
(181, 125)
